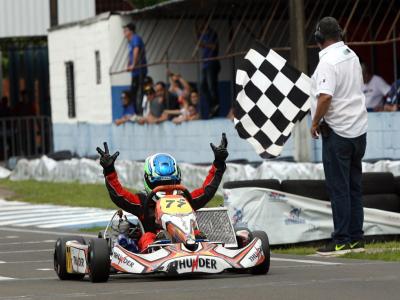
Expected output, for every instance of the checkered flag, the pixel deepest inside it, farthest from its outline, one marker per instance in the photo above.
(272, 97)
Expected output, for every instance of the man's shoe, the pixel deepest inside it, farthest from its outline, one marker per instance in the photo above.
(333, 249)
(357, 246)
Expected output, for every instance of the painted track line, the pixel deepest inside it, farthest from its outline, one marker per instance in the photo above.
(30, 242)
(27, 251)
(306, 261)
(57, 233)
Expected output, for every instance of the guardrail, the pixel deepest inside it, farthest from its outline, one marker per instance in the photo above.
(25, 136)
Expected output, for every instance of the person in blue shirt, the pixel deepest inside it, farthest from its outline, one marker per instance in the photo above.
(127, 108)
(136, 60)
(209, 83)
(392, 99)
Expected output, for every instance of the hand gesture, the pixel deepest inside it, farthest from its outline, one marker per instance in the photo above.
(107, 160)
(220, 152)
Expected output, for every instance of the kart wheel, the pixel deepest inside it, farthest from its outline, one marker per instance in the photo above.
(99, 260)
(241, 239)
(262, 268)
(60, 260)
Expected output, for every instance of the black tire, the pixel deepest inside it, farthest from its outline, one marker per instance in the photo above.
(239, 241)
(397, 184)
(273, 184)
(262, 268)
(99, 260)
(60, 261)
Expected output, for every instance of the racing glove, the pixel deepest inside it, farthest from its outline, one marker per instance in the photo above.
(107, 160)
(220, 152)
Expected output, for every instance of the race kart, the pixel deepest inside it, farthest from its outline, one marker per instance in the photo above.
(189, 242)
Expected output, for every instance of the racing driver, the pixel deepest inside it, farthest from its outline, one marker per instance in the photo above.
(160, 169)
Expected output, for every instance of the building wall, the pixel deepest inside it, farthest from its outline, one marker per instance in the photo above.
(78, 43)
(20, 18)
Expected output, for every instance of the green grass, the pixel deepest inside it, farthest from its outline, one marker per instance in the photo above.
(387, 251)
(71, 193)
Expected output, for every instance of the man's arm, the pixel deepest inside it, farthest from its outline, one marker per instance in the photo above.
(323, 103)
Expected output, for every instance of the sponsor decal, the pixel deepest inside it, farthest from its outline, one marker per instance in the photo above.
(237, 218)
(256, 255)
(294, 217)
(124, 260)
(78, 261)
(276, 197)
(193, 263)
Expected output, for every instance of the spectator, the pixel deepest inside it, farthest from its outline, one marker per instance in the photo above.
(374, 89)
(209, 83)
(392, 99)
(170, 100)
(5, 110)
(136, 58)
(154, 109)
(147, 86)
(127, 106)
(178, 86)
(195, 99)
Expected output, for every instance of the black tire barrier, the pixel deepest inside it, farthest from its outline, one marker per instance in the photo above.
(378, 183)
(397, 184)
(387, 202)
(261, 183)
(60, 263)
(307, 188)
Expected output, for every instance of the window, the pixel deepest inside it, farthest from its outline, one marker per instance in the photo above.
(98, 66)
(69, 68)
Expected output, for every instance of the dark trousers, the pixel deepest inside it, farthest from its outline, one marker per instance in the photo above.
(342, 166)
(209, 83)
(137, 93)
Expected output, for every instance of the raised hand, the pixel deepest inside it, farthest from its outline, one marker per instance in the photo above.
(107, 160)
(220, 152)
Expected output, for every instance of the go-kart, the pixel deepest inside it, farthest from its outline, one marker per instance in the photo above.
(189, 242)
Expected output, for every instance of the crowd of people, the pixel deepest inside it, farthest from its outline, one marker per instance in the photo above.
(147, 102)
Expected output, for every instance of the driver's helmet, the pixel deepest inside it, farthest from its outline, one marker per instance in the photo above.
(160, 169)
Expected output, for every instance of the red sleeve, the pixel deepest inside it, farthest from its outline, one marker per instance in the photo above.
(206, 192)
(122, 197)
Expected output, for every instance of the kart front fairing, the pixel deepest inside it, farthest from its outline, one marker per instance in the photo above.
(176, 259)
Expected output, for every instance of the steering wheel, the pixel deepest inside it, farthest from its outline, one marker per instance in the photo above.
(169, 189)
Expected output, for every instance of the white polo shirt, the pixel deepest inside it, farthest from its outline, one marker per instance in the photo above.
(339, 74)
(374, 91)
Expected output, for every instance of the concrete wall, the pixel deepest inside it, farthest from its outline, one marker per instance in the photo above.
(189, 142)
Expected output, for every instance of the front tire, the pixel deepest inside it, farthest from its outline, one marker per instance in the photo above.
(99, 260)
(60, 259)
(262, 268)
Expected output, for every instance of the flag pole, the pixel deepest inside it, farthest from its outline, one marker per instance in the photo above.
(298, 57)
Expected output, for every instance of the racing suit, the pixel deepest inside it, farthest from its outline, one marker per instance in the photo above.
(134, 203)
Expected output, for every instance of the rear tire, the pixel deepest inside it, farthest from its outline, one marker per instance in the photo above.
(99, 260)
(60, 260)
(262, 268)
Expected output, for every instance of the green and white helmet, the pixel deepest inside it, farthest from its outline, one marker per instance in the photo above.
(160, 169)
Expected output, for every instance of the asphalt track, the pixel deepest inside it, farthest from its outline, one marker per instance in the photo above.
(26, 272)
